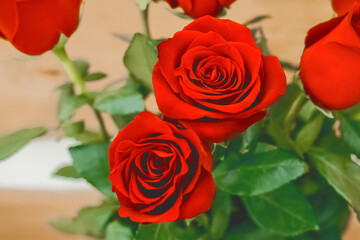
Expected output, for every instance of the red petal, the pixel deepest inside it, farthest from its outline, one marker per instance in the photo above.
(342, 6)
(342, 30)
(330, 74)
(41, 22)
(200, 199)
(219, 131)
(229, 30)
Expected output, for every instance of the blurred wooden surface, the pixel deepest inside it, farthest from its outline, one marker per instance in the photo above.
(27, 92)
(25, 214)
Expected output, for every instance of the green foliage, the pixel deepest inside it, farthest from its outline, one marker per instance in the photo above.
(83, 66)
(118, 231)
(68, 172)
(284, 211)
(340, 172)
(220, 215)
(350, 130)
(77, 131)
(122, 101)
(256, 173)
(140, 59)
(68, 103)
(249, 139)
(165, 231)
(90, 221)
(95, 76)
(249, 231)
(282, 118)
(13, 142)
(257, 19)
(308, 134)
(91, 162)
(143, 4)
(122, 121)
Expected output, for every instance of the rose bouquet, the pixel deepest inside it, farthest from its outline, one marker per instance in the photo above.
(234, 152)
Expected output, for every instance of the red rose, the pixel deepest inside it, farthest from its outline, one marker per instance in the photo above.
(34, 26)
(329, 67)
(199, 8)
(160, 173)
(212, 77)
(342, 6)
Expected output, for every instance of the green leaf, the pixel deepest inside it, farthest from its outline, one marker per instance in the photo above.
(82, 67)
(289, 66)
(179, 14)
(91, 162)
(307, 111)
(284, 211)
(249, 138)
(165, 231)
(124, 37)
(118, 231)
(77, 131)
(330, 209)
(257, 19)
(90, 221)
(259, 172)
(350, 130)
(13, 142)
(140, 59)
(122, 101)
(220, 215)
(143, 4)
(249, 231)
(340, 172)
(309, 133)
(68, 102)
(149, 232)
(122, 121)
(283, 115)
(68, 172)
(95, 76)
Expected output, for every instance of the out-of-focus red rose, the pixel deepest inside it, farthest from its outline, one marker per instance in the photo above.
(35, 26)
(160, 173)
(329, 67)
(199, 8)
(212, 77)
(342, 6)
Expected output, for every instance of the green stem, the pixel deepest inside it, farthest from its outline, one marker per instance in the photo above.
(70, 69)
(293, 111)
(79, 81)
(102, 125)
(145, 21)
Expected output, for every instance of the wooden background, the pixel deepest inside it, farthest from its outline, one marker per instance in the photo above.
(28, 96)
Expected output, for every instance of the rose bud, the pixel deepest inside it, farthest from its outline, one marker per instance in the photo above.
(199, 8)
(160, 172)
(34, 27)
(329, 68)
(212, 77)
(341, 7)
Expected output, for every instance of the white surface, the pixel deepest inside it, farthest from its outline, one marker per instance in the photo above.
(33, 166)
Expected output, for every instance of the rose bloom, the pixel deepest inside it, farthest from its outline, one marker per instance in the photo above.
(212, 77)
(159, 172)
(342, 6)
(35, 26)
(329, 67)
(199, 8)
